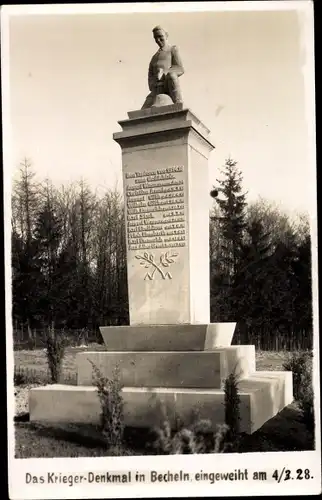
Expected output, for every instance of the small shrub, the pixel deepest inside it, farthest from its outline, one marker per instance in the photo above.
(161, 435)
(203, 440)
(195, 438)
(112, 415)
(55, 351)
(220, 440)
(306, 405)
(300, 364)
(168, 441)
(232, 408)
(184, 442)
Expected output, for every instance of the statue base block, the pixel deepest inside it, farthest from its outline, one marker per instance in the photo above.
(262, 396)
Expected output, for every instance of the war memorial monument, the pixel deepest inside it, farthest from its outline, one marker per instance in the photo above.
(170, 352)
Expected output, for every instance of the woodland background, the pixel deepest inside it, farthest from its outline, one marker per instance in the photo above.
(69, 262)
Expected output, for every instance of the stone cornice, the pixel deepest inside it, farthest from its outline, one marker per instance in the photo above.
(166, 120)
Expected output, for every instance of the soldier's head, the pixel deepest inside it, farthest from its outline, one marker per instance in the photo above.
(160, 36)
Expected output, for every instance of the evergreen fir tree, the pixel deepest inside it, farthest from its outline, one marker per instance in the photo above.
(228, 220)
(232, 204)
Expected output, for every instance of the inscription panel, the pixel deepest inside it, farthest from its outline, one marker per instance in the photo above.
(155, 208)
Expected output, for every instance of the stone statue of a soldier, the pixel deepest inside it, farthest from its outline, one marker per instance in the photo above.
(164, 70)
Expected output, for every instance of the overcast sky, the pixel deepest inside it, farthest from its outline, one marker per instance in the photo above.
(72, 77)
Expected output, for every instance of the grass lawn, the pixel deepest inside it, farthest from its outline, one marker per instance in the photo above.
(285, 432)
(44, 441)
(35, 361)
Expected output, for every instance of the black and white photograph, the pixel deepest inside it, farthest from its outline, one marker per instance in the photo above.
(160, 209)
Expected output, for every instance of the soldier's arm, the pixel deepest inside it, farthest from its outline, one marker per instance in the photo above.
(151, 79)
(176, 62)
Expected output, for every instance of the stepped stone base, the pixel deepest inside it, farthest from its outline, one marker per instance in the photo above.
(262, 394)
(184, 337)
(182, 367)
(204, 369)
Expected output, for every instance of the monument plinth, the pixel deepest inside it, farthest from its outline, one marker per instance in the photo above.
(165, 179)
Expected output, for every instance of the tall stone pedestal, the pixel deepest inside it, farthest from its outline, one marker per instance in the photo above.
(170, 353)
(165, 177)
